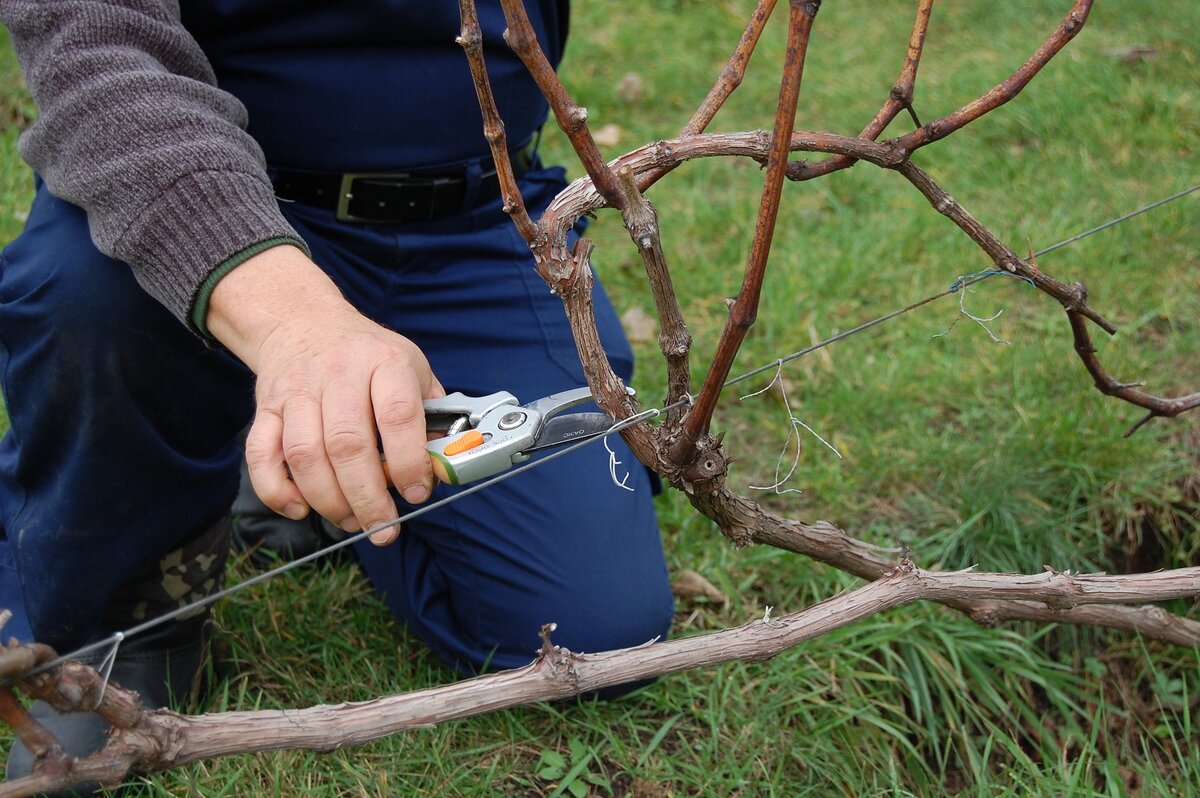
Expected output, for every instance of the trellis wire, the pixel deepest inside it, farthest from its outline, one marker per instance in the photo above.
(112, 641)
(955, 287)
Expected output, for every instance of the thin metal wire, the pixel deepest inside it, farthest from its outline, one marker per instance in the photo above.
(957, 286)
(116, 638)
(1116, 221)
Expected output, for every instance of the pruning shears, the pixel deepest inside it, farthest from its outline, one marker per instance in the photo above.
(484, 435)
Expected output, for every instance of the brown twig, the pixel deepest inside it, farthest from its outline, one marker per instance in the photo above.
(41, 743)
(938, 129)
(571, 118)
(70, 687)
(76, 687)
(608, 389)
(901, 95)
(1007, 89)
(580, 198)
(726, 84)
(744, 310)
(471, 40)
(746, 522)
(900, 98)
(1130, 392)
(674, 340)
(17, 660)
(1072, 297)
(734, 71)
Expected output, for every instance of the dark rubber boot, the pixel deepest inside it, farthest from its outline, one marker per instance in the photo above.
(161, 664)
(270, 538)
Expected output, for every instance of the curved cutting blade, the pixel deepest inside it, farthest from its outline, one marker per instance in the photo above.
(570, 428)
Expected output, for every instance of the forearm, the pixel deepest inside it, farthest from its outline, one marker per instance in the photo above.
(272, 288)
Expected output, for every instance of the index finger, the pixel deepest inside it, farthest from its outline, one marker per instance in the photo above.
(349, 445)
(396, 398)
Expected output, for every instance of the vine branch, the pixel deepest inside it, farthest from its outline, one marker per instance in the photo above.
(744, 310)
(149, 741)
(899, 99)
(571, 118)
(471, 40)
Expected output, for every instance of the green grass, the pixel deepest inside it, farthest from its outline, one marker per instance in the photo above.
(966, 451)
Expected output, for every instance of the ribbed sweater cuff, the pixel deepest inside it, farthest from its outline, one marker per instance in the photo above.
(199, 312)
(198, 225)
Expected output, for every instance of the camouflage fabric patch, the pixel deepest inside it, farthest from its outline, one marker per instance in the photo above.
(184, 576)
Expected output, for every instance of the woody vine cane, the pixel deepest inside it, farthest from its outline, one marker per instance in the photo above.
(111, 644)
(681, 448)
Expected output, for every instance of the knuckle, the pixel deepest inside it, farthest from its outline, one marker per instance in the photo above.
(366, 505)
(399, 413)
(408, 460)
(405, 471)
(261, 454)
(275, 497)
(347, 444)
(326, 499)
(369, 507)
(264, 432)
(302, 455)
(258, 455)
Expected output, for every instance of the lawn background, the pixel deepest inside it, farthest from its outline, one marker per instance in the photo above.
(969, 452)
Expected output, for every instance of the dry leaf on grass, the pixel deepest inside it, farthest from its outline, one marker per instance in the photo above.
(689, 584)
(640, 326)
(608, 136)
(630, 87)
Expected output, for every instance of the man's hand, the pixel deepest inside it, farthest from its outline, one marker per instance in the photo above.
(329, 380)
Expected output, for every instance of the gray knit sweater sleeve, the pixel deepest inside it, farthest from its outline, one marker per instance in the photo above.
(133, 129)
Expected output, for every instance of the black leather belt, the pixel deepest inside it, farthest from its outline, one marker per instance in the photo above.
(392, 197)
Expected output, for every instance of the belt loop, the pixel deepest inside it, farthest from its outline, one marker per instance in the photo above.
(474, 175)
(531, 149)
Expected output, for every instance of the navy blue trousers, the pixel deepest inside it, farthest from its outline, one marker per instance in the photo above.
(124, 427)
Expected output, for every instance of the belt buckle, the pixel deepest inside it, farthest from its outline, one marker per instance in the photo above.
(346, 192)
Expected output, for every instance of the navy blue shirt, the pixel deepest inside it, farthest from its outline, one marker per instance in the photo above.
(369, 85)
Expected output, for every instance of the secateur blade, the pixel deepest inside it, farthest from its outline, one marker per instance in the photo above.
(559, 428)
(570, 428)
